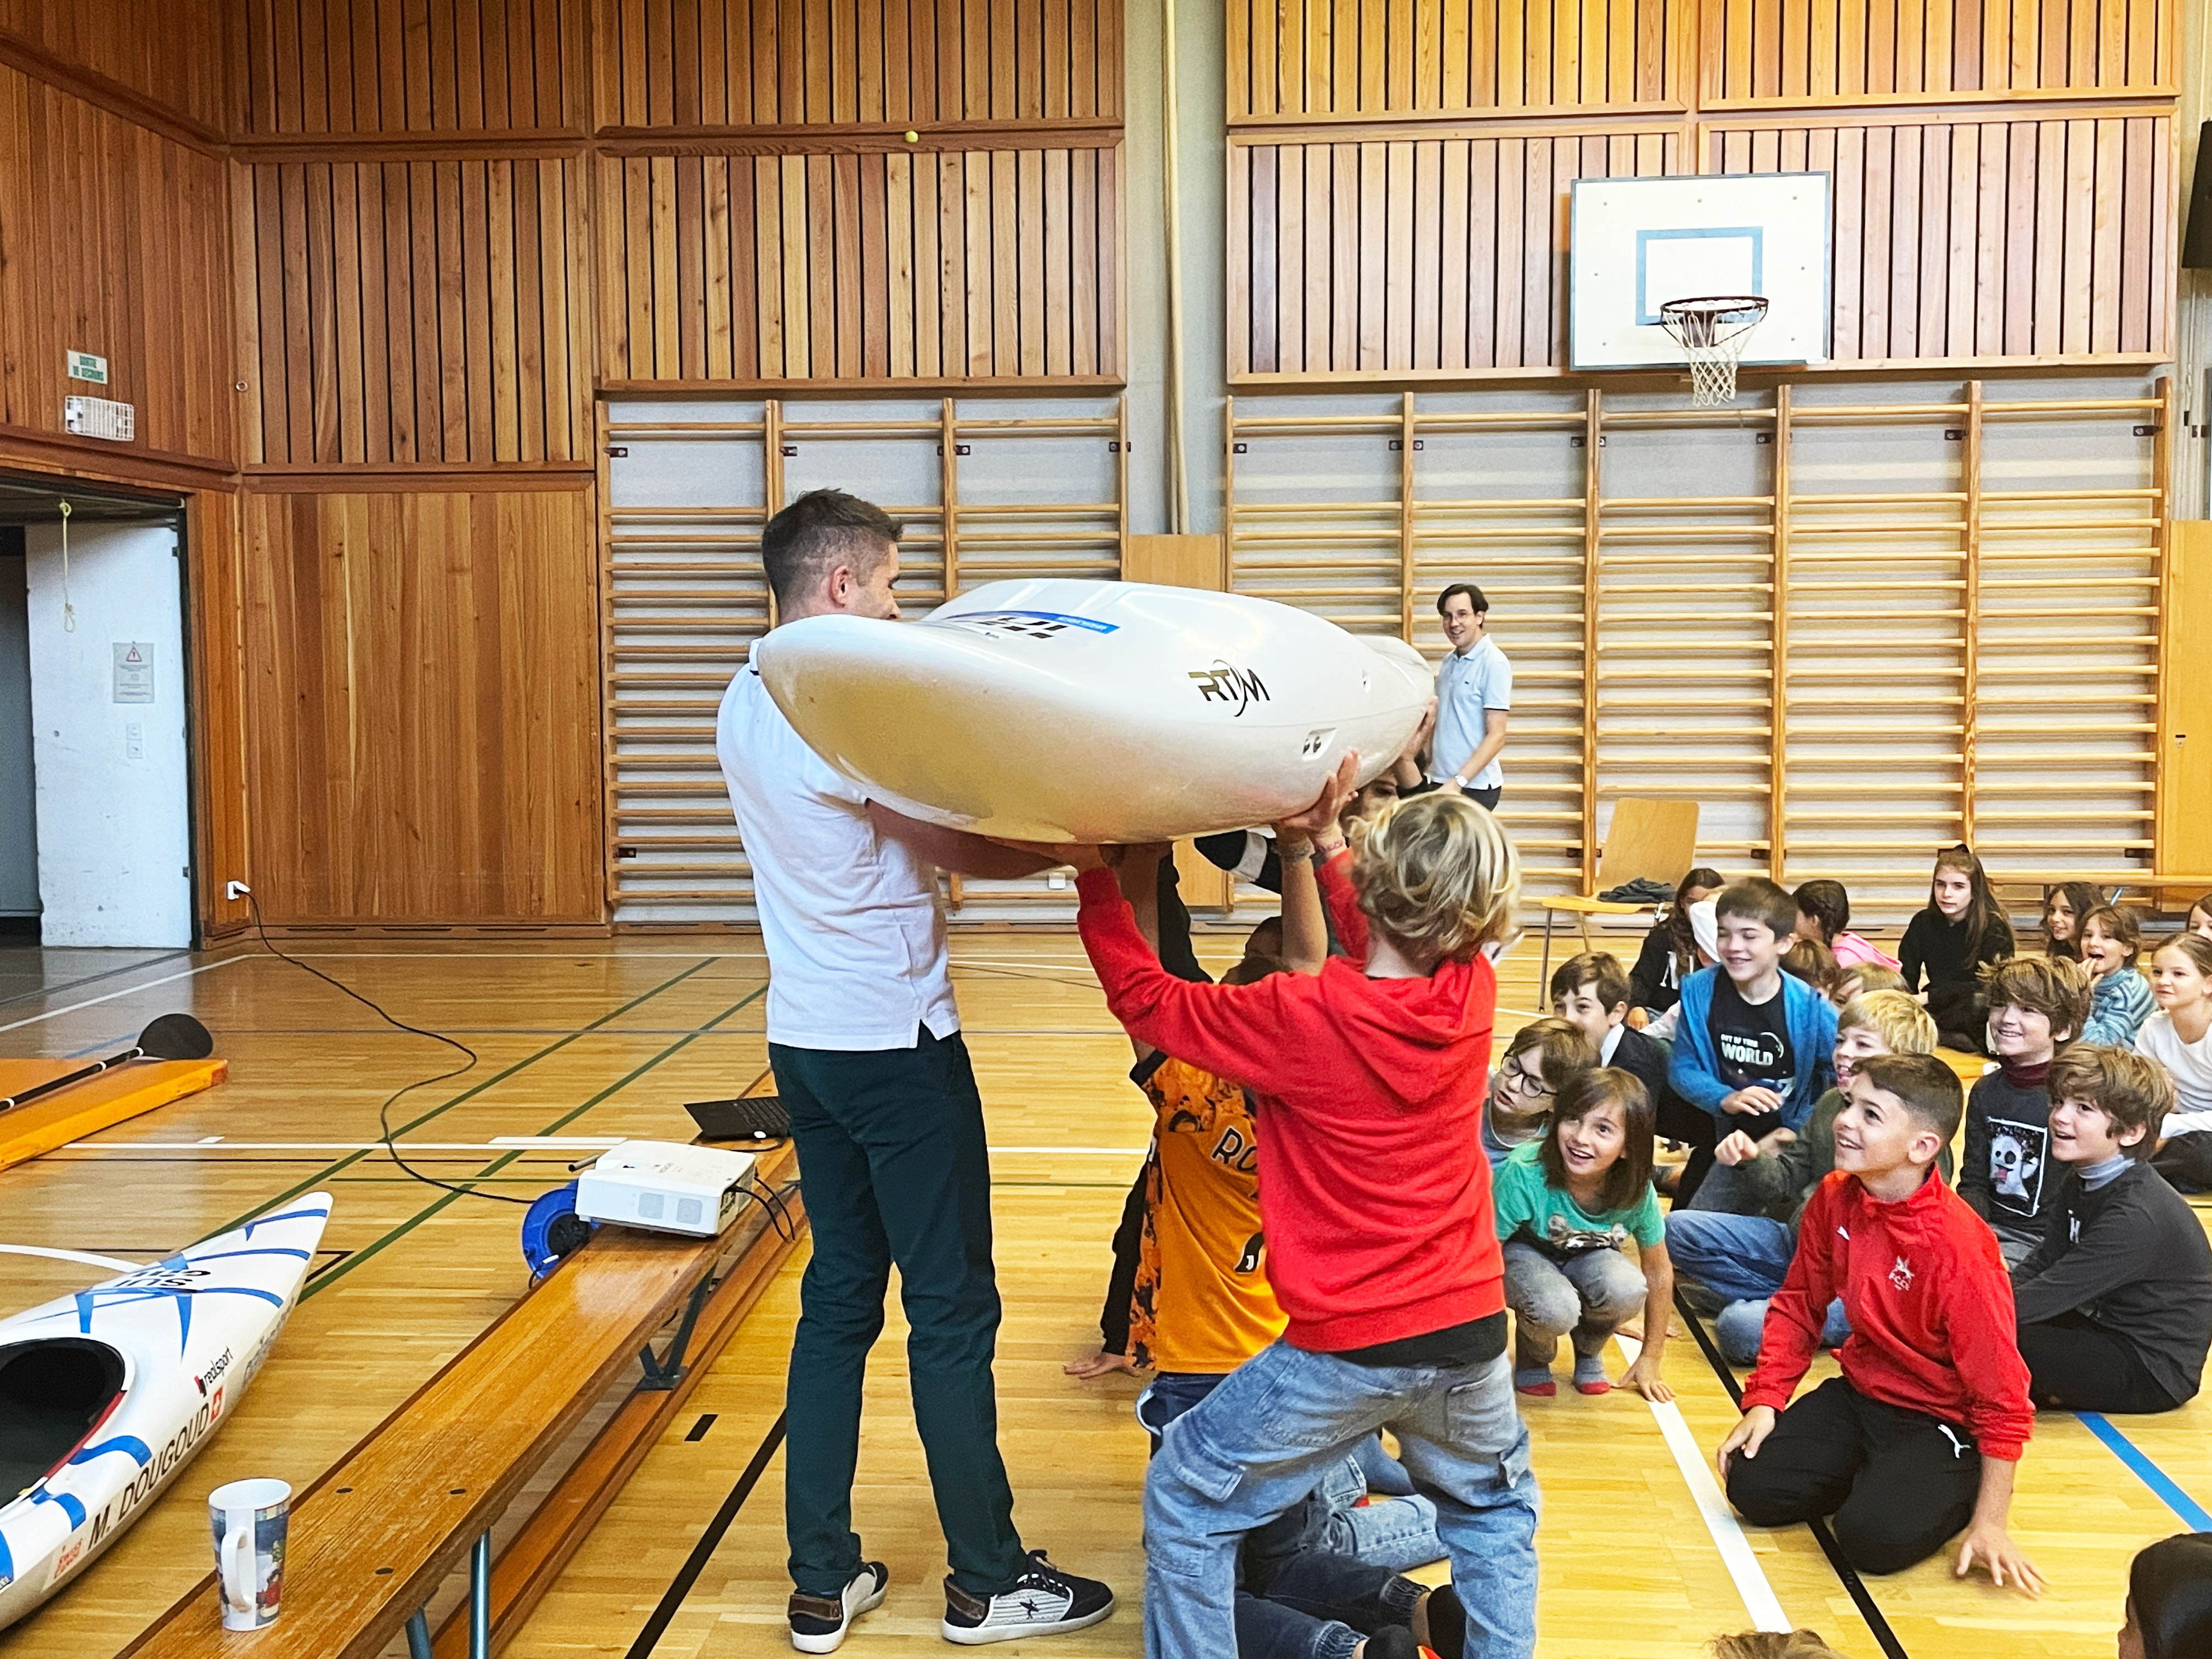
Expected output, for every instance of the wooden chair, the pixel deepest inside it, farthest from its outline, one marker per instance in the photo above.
(1656, 839)
(374, 1539)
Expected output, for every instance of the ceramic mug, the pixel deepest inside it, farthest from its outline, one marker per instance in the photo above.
(250, 1519)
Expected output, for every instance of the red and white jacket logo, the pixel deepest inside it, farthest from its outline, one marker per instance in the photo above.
(1901, 1275)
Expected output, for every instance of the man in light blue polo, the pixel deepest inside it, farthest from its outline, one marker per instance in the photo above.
(1474, 691)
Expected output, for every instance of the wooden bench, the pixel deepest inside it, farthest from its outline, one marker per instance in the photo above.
(374, 1538)
(99, 1102)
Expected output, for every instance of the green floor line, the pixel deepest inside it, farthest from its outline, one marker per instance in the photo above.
(447, 1199)
(352, 1158)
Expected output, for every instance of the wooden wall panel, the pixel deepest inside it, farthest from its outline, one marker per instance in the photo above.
(1398, 168)
(1368, 60)
(423, 706)
(1986, 238)
(416, 312)
(1374, 256)
(171, 53)
(974, 264)
(214, 578)
(113, 240)
(906, 63)
(392, 66)
(1934, 51)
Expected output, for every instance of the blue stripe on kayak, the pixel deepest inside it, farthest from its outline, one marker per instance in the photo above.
(70, 1506)
(122, 1443)
(2192, 1512)
(7, 1565)
(288, 1215)
(266, 1250)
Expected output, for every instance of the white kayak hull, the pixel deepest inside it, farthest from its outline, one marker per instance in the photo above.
(155, 1359)
(1065, 710)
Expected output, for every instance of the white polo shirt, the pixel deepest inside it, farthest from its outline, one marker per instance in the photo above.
(1467, 682)
(855, 940)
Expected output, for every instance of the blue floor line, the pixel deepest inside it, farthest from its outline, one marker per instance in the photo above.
(2147, 1472)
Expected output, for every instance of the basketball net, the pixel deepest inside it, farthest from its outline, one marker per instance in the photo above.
(1713, 333)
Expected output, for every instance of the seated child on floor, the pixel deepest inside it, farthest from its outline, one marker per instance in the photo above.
(1565, 1206)
(1922, 1433)
(2063, 907)
(1670, 950)
(2200, 918)
(1752, 1044)
(1705, 931)
(1815, 964)
(2169, 1609)
(2115, 1305)
(2037, 1006)
(2178, 1036)
(1536, 1065)
(2119, 996)
(1590, 993)
(1824, 915)
(1738, 1239)
(1960, 931)
(1382, 1244)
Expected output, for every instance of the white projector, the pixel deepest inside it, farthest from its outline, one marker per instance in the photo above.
(666, 1188)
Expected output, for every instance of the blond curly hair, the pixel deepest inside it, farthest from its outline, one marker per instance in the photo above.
(1438, 874)
(1774, 1645)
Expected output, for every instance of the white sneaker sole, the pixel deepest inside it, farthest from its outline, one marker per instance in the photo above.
(976, 1636)
(836, 1639)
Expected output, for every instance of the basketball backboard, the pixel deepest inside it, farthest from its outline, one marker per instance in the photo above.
(1634, 244)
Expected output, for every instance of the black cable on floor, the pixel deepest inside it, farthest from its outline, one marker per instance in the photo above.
(384, 1112)
(671, 1600)
(1846, 1572)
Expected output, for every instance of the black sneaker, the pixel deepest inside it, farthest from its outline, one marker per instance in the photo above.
(1393, 1642)
(818, 1623)
(1043, 1602)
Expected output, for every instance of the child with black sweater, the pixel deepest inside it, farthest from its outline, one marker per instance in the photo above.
(1924, 1431)
(2037, 1006)
(2114, 1306)
(1670, 950)
(1590, 993)
(1961, 930)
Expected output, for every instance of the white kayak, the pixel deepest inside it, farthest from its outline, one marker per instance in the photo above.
(106, 1394)
(1090, 711)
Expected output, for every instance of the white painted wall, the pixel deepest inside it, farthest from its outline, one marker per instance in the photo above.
(114, 807)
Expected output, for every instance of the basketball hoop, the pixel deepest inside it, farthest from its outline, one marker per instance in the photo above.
(1712, 332)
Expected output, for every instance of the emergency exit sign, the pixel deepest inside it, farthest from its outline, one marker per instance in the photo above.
(83, 365)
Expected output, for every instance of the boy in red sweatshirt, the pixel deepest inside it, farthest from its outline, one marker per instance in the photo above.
(1376, 1199)
(1922, 1432)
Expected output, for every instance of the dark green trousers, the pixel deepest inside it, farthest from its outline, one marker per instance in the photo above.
(891, 1149)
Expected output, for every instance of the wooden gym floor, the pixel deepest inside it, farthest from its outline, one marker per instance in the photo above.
(606, 1038)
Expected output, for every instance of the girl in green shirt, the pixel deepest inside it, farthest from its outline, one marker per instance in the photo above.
(1566, 1204)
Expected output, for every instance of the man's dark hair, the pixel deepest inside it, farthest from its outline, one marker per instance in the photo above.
(800, 544)
(1474, 597)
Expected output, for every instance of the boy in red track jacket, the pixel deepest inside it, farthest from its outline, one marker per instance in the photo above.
(1376, 1199)
(1922, 1432)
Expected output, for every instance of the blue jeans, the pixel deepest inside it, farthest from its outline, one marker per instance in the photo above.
(1264, 1438)
(1322, 1606)
(1394, 1531)
(1744, 1259)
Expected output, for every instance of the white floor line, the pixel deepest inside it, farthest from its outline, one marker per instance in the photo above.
(128, 991)
(1759, 1598)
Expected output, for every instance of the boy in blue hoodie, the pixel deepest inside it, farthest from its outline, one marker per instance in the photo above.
(1753, 1045)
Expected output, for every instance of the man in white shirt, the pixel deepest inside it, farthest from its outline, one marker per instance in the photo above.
(866, 1041)
(1474, 691)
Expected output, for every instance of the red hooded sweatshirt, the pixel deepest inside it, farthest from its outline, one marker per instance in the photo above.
(1374, 1190)
(1930, 1306)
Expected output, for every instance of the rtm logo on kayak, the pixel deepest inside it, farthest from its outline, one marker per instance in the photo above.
(158, 1469)
(1223, 683)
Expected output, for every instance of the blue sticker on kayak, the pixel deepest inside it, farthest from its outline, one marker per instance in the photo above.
(1031, 624)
